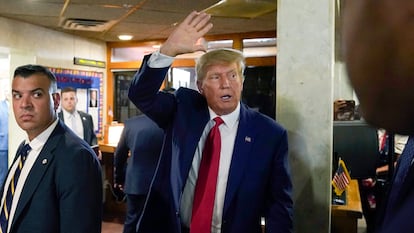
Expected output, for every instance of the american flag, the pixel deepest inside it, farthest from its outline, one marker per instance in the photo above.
(341, 178)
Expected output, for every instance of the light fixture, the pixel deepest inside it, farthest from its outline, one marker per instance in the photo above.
(125, 37)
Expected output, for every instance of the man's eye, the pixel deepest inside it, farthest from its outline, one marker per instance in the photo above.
(17, 96)
(37, 94)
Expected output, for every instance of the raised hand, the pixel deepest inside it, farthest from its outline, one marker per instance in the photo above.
(187, 35)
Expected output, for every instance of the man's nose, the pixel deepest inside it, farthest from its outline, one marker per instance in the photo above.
(25, 102)
(225, 81)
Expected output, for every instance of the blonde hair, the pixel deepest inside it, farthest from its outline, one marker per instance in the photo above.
(219, 56)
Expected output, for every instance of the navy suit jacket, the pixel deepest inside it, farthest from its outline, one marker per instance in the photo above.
(63, 191)
(259, 181)
(143, 138)
(400, 220)
(88, 133)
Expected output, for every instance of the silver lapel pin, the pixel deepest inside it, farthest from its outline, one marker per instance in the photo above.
(44, 161)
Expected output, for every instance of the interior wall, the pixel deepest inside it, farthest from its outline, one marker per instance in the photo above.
(304, 97)
(26, 43)
(342, 87)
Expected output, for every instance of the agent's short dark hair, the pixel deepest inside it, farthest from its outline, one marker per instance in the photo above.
(28, 70)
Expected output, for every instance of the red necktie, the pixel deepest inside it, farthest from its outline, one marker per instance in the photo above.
(205, 189)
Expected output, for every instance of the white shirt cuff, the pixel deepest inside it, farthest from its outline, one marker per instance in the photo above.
(159, 60)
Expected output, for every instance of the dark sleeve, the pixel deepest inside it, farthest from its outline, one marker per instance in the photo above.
(120, 158)
(79, 189)
(94, 140)
(144, 93)
(280, 217)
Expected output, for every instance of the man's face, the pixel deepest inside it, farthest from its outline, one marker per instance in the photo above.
(222, 87)
(33, 105)
(69, 101)
(93, 95)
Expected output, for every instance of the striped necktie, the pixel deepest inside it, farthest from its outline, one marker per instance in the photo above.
(5, 210)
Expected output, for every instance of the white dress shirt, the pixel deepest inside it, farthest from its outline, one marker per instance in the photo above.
(399, 141)
(36, 144)
(228, 132)
(74, 122)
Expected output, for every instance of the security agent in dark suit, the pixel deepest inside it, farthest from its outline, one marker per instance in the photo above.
(60, 186)
(253, 178)
(82, 124)
(142, 140)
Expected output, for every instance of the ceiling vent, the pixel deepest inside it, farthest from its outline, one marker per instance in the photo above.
(86, 24)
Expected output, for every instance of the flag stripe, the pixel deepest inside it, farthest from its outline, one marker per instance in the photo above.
(341, 178)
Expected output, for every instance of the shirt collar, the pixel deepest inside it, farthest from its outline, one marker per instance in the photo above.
(67, 114)
(229, 119)
(39, 141)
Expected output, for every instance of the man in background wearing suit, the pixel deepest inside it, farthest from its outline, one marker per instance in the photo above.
(59, 189)
(80, 122)
(142, 140)
(253, 177)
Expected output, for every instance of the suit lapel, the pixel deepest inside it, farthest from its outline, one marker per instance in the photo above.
(60, 116)
(40, 166)
(183, 154)
(242, 149)
(406, 187)
(85, 125)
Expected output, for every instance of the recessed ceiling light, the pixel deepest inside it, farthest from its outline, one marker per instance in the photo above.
(125, 37)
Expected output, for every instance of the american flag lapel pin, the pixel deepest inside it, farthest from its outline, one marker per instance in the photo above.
(247, 139)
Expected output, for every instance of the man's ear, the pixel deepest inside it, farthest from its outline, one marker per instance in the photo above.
(56, 100)
(200, 87)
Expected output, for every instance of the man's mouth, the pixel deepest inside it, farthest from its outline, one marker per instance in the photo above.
(26, 117)
(226, 97)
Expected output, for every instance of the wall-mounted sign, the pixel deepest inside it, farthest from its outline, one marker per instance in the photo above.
(88, 62)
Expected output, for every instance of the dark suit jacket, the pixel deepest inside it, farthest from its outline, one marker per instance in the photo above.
(87, 122)
(400, 216)
(259, 181)
(93, 103)
(63, 192)
(144, 139)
